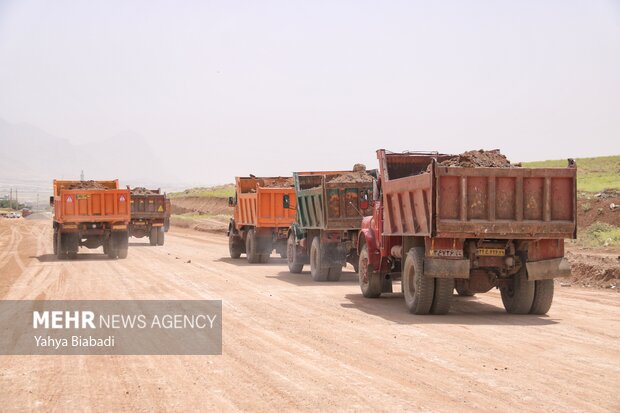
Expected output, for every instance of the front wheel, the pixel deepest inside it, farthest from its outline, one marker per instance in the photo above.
(294, 266)
(369, 279)
(234, 247)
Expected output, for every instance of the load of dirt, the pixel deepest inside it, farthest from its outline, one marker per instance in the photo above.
(479, 158)
(86, 185)
(143, 191)
(278, 182)
(201, 205)
(358, 174)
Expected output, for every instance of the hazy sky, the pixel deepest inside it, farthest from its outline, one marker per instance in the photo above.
(231, 87)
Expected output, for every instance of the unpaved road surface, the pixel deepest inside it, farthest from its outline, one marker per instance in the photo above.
(291, 344)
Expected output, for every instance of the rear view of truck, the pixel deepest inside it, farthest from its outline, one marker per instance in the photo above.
(470, 222)
(264, 210)
(330, 208)
(90, 214)
(150, 212)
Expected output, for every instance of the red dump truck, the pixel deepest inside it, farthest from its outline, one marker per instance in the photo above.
(90, 214)
(150, 214)
(264, 209)
(439, 227)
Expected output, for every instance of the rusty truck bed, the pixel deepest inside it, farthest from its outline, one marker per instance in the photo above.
(459, 202)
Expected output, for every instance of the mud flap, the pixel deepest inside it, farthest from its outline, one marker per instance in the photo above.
(445, 268)
(548, 269)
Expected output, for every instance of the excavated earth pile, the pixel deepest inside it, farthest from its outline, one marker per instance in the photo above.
(87, 185)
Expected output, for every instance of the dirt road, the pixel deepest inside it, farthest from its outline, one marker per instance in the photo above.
(291, 344)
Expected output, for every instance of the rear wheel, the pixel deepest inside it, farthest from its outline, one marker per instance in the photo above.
(442, 298)
(370, 280)
(160, 236)
(55, 242)
(417, 289)
(518, 297)
(153, 236)
(60, 247)
(543, 297)
(319, 273)
(251, 247)
(234, 246)
(291, 255)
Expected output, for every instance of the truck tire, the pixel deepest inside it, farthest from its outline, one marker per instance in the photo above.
(234, 249)
(251, 247)
(123, 252)
(369, 279)
(294, 266)
(442, 298)
(160, 236)
(264, 258)
(60, 248)
(417, 289)
(462, 288)
(153, 236)
(519, 297)
(319, 273)
(543, 297)
(55, 242)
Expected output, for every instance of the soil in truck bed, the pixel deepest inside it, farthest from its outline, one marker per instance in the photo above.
(87, 185)
(479, 158)
(143, 191)
(278, 183)
(358, 174)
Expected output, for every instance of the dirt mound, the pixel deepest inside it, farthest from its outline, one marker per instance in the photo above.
(278, 183)
(592, 209)
(594, 267)
(479, 158)
(143, 191)
(201, 205)
(87, 185)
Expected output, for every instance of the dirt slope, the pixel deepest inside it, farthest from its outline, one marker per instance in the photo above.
(292, 344)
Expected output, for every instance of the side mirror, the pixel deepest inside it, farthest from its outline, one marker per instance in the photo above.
(375, 190)
(286, 201)
(364, 203)
(231, 201)
(51, 201)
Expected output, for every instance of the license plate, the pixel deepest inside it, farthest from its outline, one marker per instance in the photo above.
(492, 252)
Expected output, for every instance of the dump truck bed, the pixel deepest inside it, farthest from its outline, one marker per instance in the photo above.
(261, 204)
(108, 204)
(330, 205)
(148, 206)
(491, 203)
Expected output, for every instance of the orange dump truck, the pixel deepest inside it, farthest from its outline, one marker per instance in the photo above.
(90, 214)
(264, 209)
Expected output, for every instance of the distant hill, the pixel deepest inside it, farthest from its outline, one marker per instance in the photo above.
(31, 154)
(593, 174)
